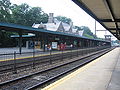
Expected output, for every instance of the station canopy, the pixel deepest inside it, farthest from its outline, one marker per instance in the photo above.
(106, 12)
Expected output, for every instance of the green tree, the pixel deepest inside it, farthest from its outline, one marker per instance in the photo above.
(5, 10)
(64, 19)
(6, 40)
(19, 13)
(78, 28)
(87, 32)
(25, 15)
(36, 15)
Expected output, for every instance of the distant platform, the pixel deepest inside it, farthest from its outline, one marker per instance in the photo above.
(101, 74)
(16, 49)
(8, 53)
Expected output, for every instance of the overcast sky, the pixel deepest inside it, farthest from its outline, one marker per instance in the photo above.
(68, 9)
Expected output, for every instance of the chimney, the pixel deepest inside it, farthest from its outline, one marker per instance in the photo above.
(51, 18)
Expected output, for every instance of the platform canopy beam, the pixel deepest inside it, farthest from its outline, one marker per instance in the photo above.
(106, 12)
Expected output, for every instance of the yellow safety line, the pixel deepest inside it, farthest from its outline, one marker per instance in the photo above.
(62, 80)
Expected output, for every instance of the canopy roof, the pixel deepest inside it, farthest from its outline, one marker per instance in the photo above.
(106, 12)
(20, 28)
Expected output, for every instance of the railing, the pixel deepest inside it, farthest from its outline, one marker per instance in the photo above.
(15, 62)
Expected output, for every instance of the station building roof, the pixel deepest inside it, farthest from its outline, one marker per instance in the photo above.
(20, 28)
(106, 12)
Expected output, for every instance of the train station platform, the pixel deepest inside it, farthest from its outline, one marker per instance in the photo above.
(16, 49)
(101, 74)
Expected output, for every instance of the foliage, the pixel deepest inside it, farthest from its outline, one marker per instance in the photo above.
(19, 14)
(5, 40)
(4, 10)
(25, 15)
(36, 15)
(78, 28)
(87, 35)
(64, 19)
(87, 32)
(116, 41)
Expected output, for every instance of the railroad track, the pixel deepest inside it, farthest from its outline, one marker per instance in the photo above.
(39, 78)
(12, 66)
(18, 64)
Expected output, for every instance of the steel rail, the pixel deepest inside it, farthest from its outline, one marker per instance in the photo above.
(26, 76)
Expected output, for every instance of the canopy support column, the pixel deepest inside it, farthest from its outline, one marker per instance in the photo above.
(20, 42)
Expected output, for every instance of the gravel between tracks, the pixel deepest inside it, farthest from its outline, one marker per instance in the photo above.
(22, 85)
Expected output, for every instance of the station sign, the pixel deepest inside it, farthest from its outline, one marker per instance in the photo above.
(54, 45)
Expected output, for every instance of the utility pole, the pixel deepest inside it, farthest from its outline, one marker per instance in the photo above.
(95, 27)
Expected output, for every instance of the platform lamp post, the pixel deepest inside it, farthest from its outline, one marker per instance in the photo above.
(33, 58)
(82, 48)
(71, 49)
(50, 50)
(33, 53)
(14, 68)
(77, 50)
(62, 54)
(61, 45)
(33, 47)
(20, 42)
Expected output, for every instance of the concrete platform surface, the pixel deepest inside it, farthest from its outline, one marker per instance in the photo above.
(101, 74)
(16, 49)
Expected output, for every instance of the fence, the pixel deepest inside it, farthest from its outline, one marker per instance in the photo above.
(15, 62)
